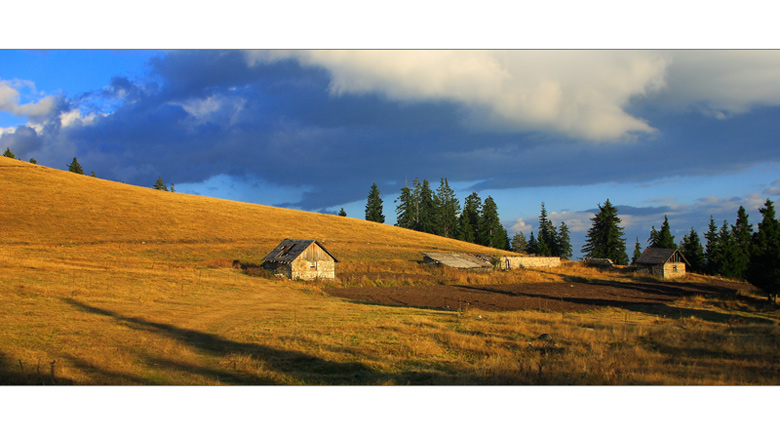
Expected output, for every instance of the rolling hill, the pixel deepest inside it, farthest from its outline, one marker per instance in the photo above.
(106, 283)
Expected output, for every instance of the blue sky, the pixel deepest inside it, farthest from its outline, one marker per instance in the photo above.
(682, 133)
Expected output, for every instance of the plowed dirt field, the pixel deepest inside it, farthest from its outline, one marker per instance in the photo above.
(559, 296)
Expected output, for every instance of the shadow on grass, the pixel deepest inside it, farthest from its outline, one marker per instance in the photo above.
(306, 369)
(16, 373)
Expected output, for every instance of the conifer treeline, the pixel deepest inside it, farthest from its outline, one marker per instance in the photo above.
(419, 208)
(551, 242)
(732, 251)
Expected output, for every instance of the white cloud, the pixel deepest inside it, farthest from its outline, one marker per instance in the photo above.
(74, 118)
(577, 93)
(521, 226)
(10, 97)
(723, 83)
(215, 108)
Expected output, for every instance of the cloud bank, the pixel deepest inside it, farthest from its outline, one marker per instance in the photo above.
(322, 126)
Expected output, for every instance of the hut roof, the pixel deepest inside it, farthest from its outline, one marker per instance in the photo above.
(458, 260)
(655, 256)
(290, 249)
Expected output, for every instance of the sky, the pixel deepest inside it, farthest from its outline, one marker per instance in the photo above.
(682, 133)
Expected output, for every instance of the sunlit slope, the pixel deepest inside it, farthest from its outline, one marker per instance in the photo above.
(41, 205)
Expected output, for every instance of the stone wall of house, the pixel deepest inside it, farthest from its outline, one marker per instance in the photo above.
(674, 270)
(668, 270)
(311, 270)
(508, 263)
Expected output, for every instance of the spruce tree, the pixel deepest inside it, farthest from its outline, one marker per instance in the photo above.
(519, 243)
(532, 246)
(75, 167)
(693, 251)
(547, 238)
(564, 242)
(9, 154)
(637, 251)
(662, 239)
(728, 253)
(469, 219)
(764, 269)
(374, 206)
(605, 236)
(492, 231)
(712, 251)
(742, 233)
(159, 185)
(426, 208)
(447, 208)
(405, 211)
(653, 240)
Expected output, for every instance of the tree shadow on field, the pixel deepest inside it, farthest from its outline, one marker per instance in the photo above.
(16, 373)
(304, 368)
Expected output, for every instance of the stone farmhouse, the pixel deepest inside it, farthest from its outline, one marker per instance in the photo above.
(663, 263)
(301, 259)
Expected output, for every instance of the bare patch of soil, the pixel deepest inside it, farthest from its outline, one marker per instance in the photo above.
(558, 296)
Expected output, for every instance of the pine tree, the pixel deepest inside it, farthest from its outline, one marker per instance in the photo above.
(426, 208)
(605, 236)
(405, 211)
(342, 212)
(159, 185)
(693, 251)
(764, 268)
(564, 242)
(712, 251)
(547, 238)
(519, 243)
(75, 167)
(728, 252)
(469, 219)
(653, 240)
(742, 233)
(374, 206)
(492, 231)
(9, 154)
(447, 208)
(532, 246)
(637, 251)
(662, 239)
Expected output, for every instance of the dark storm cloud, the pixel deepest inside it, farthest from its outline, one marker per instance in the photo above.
(207, 113)
(24, 141)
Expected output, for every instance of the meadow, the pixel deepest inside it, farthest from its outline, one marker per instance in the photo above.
(110, 284)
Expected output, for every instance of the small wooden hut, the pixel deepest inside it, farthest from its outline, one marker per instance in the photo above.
(301, 259)
(663, 263)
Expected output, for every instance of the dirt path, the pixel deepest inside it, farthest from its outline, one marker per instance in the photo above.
(562, 296)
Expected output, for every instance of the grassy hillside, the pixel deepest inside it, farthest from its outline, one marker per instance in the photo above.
(105, 283)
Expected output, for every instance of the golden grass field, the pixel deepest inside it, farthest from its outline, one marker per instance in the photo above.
(110, 284)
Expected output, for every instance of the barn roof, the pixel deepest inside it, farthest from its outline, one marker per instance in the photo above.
(655, 256)
(458, 260)
(290, 249)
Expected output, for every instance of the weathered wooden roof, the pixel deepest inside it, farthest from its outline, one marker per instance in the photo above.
(290, 249)
(458, 260)
(656, 256)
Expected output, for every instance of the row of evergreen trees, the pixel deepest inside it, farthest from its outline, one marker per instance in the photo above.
(419, 208)
(732, 251)
(551, 242)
